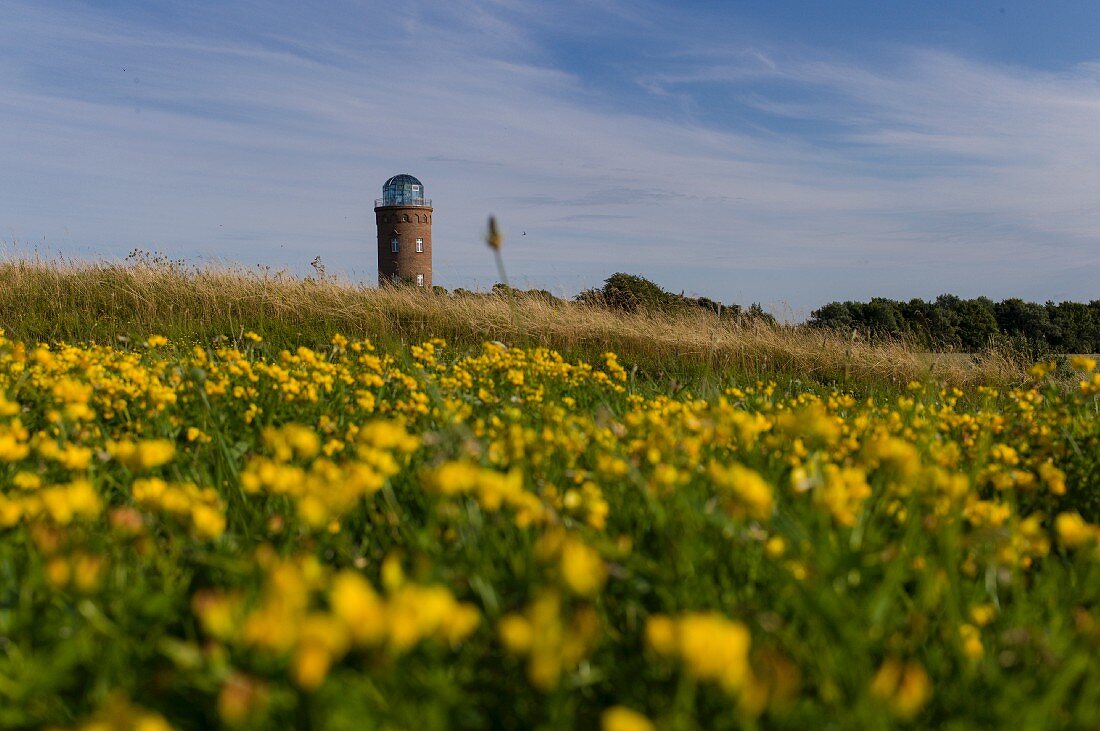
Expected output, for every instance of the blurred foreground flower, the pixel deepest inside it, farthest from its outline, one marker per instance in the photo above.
(494, 238)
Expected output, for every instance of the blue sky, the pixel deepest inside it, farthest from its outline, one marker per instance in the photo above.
(789, 153)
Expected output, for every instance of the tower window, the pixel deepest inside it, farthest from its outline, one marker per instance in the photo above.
(419, 280)
(420, 246)
(393, 244)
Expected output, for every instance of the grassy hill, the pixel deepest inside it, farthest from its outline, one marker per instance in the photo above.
(109, 303)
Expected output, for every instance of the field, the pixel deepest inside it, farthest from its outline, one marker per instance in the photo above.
(303, 509)
(110, 303)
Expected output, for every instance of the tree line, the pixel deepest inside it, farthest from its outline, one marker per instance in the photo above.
(948, 323)
(631, 293)
(953, 323)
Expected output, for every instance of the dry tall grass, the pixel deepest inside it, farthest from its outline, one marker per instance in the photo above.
(102, 302)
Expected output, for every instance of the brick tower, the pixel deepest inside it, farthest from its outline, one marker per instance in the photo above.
(404, 218)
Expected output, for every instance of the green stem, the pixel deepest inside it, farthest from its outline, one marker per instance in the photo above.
(500, 268)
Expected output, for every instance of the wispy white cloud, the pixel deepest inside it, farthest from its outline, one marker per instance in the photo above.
(792, 176)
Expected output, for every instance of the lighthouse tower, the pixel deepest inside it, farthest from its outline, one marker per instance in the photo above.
(404, 218)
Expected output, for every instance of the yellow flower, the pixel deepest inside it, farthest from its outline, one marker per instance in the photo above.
(660, 634)
(1073, 531)
(87, 571)
(843, 492)
(143, 455)
(751, 492)
(155, 341)
(75, 457)
(292, 440)
(12, 449)
(971, 639)
(904, 687)
(356, 603)
(459, 623)
(194, 434)
(1053, 478)
(1040, 370)
(1083, 363)
(152, 722)
(582, 567)
(982, 614)
(516, 633)
(712, 647)
(621, 718)
(393, 575)
(775, 547)
(208, 521)
(322, 639)
(58, 571)
(218, 612)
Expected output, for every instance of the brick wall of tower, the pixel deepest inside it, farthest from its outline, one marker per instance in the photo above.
(407, 223)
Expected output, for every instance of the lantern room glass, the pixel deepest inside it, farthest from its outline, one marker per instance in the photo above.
(403, 190)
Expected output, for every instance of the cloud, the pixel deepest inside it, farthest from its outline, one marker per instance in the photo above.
(255, 126)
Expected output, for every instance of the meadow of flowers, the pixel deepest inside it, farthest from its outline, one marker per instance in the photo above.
(342, 537)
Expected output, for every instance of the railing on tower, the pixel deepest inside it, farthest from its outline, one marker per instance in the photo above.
(401, 200)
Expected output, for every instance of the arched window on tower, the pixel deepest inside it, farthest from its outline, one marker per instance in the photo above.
(420, 246)
(419, 280)
(394, 243)
(406, 218)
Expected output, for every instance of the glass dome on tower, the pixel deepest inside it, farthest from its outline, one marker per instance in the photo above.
(403, 190)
